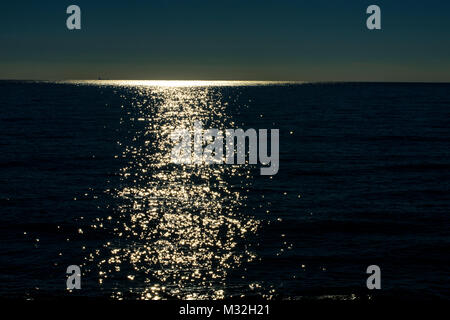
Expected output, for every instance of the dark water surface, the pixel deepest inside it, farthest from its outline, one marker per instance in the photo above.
(85, 179)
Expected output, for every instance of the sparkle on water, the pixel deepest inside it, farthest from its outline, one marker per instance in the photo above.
(179, 229)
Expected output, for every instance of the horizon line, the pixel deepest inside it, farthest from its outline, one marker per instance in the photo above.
(228, 80)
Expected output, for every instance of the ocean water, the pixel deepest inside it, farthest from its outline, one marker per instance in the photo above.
(85, 179)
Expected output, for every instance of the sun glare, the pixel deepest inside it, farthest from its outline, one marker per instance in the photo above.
(177, 83)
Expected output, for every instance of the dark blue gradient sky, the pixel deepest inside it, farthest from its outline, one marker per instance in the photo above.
(247, 40)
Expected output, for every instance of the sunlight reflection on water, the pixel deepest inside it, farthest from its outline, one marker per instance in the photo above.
(179, 227)
(178, 83)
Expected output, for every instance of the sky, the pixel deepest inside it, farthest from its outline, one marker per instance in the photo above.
(226, 40)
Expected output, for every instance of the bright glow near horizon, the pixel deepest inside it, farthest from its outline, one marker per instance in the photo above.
(177, 83)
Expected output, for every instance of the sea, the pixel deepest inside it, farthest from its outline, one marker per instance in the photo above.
(86, 180)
